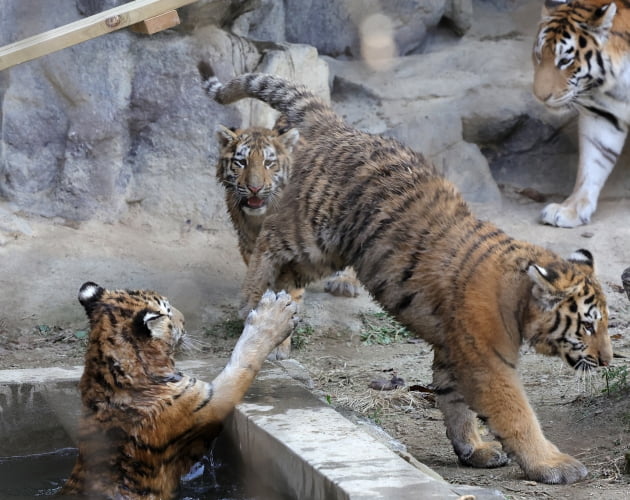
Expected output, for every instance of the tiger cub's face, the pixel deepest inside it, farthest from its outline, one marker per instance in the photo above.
(131, 329)
(254, 166)
(572, 315)
(569, 57)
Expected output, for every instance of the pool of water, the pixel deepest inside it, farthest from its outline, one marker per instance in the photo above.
(219, 476)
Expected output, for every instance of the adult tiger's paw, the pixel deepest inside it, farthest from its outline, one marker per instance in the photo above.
(566, 214)
(560, 469)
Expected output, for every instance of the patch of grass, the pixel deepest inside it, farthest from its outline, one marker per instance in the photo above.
(375, 416)
(52, 334)
(617, 379)
(228, 328)
(301, 335)
(380, 328)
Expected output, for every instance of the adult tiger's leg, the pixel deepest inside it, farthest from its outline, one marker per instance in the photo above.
(462, 427)
(601, 141)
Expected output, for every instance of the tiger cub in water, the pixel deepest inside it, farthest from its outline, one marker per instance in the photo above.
(460, 283)
(582, 60)
(254, 167)
(144, 423)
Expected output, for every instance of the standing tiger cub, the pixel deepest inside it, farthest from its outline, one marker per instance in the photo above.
(254, 167)
(144, 423)
(460, 283)
(582, 60)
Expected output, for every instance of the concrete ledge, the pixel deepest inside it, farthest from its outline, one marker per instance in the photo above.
(300, 444)
(282, 428)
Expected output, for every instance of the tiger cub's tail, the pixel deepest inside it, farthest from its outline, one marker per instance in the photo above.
(293, 101)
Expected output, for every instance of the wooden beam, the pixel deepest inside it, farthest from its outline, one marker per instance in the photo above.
(157, 23)
(85, 29)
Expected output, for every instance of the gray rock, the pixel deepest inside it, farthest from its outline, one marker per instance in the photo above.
(460, 15)
(439, 138)
(64, 129)
(264, 22)
(120, 122)
(335, 27)
(12, 225)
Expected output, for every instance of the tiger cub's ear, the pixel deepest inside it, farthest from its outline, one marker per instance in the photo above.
(545, 290)
(583, 258)
(89, 294)
(289, 138)
(226, 135)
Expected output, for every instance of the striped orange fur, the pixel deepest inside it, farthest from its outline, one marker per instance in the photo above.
(460, 283)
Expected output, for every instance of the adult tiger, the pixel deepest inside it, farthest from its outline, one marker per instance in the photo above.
(144, 423)
(460, 283)
(581, 61)
(254, 167)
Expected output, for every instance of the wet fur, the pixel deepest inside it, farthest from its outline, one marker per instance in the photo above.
(144, 423)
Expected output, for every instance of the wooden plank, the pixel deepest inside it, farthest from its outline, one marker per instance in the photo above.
(157, 23)
(85, 29)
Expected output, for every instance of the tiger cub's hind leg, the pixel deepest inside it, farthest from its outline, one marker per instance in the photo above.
(462, 426)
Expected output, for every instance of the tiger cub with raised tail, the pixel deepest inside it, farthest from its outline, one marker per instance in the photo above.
(582, 60)
(460, 283)
(144, 423)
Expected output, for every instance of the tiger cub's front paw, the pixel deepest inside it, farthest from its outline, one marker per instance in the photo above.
(559, 469)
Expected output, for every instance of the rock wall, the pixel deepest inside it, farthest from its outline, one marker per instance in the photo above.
(119, 123)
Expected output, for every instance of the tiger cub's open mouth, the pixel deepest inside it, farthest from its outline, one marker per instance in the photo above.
(255, 202)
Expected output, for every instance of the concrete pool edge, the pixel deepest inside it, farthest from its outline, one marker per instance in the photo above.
(283, 431)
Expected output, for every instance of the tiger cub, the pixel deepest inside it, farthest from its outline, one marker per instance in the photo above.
(581, 60)
(143, 422)
(460, 283)
(254, 167)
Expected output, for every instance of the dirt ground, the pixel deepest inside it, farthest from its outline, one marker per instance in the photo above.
(199, 269)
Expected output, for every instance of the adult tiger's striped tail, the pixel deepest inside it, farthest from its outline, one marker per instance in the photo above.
(293, 101)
